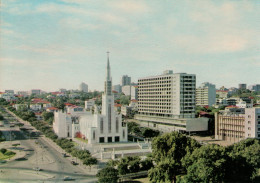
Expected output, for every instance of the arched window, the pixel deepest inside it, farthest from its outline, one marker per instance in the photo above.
(123, 133)
(101, 125)
(94, 135)
(117, 125)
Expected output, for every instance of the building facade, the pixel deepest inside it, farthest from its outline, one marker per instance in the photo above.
(167, 95)
(255, 87)
(237, 124)
(206, 94)
(242, 86)
(125, 80)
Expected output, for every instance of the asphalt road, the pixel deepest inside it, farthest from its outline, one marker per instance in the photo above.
(38, 153)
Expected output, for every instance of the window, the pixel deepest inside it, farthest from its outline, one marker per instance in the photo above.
(123, 133)
(101, 125)
(109, 118)
(117, 125)
(249, 122)
(249, 135)
(94, 135)
(249, 128)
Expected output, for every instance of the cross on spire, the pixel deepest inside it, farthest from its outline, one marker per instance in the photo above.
(107, 54)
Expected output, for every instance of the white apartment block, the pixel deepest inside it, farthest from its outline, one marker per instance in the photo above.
(237, 124)
(206, 94)
(168, 95)
(131, 91)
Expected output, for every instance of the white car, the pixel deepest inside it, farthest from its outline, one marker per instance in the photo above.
(37, 169)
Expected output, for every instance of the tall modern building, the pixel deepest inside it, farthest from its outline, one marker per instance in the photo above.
(206, 94)
(83, 87)
(117, 88)
(168, 95)
(255, 87)
(125, 80)
(242, 86)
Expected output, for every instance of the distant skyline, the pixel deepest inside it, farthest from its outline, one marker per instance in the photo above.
(52, 44)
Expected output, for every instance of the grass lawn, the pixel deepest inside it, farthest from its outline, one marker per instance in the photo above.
(7, 155)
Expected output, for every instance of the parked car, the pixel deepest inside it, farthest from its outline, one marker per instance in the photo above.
(73, 162)
(37, 169)
(68, 178)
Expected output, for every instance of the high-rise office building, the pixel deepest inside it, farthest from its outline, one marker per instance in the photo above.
(206, 94)
(168, 95)
(125, 80)
(242, 86)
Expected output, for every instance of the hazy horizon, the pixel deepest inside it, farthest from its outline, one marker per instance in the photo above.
(56, 44)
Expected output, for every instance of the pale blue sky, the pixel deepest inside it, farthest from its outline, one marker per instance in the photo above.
(52, 44)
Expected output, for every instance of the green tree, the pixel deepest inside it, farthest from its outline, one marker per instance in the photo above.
(206, 164)
(168, 151)
(107, 174)
(90, 161)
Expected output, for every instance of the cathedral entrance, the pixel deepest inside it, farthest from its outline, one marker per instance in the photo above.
(109, 139)
(117, 138)
(101, 139)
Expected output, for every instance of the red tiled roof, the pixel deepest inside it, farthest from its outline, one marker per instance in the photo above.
(56, 93)
(114, 91)
(133, 100)
(117, 105)
(232, 106)
(38, 113)
(68, 104)
(203, 112)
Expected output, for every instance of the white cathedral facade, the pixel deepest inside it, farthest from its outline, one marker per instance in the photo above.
(101, 127)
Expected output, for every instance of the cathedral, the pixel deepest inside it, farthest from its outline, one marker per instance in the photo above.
(101, 127)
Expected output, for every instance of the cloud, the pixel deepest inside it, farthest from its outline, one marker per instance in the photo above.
(76, 23)
(132, 7)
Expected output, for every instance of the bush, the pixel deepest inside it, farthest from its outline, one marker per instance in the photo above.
(9, 153)
(108, 174)
(3, 150)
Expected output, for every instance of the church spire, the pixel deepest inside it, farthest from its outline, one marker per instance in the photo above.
(108, 68)
(108, 82)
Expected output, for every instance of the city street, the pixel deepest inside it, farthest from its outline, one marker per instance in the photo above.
(36, 154)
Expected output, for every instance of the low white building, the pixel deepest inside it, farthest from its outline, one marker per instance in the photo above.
(89, 104)
(243, 104)
(35, 107)
(102, 126)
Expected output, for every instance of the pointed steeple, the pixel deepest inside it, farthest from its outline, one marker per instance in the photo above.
(108, 68)
(108, 82)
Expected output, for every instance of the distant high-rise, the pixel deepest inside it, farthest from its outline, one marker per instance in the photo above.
(125, 80)
(83, 87)
(35, 91)
(117, 88)
(206, 94)
(255, 87)
(242, 86)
